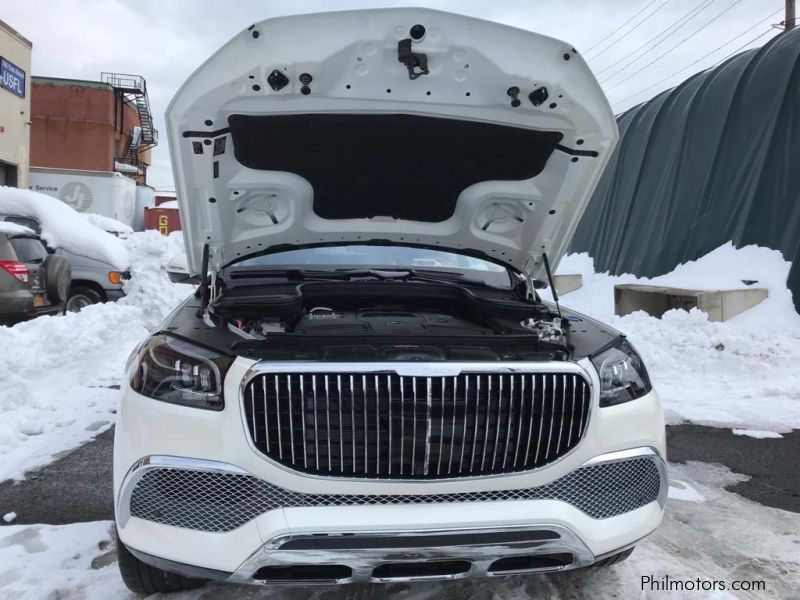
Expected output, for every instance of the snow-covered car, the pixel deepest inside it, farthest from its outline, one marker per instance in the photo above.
(32, 282)
(95, 278)
(325, 409)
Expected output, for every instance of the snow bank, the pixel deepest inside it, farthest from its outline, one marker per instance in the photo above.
(59, 561)
(740, 373)
(107, 223)
(14, 228)
(63, 227)
(726, 268)
(56, 369)
(169, 204)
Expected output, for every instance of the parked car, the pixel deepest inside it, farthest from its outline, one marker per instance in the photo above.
(93, 280)
(32, 282)
(367, 385)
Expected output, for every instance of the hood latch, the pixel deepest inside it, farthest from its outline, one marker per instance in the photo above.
(412, 60)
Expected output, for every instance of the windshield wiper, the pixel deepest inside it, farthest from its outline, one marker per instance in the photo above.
(349, 274)
(424, 275)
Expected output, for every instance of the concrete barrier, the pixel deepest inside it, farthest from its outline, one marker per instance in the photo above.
(719, 305)
(567, 283)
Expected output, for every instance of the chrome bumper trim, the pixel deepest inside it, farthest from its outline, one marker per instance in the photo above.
(364, 561)
(149, 463)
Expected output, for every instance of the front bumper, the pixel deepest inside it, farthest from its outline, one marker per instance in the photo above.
(286, 505)
(114, 294)
(371, 539)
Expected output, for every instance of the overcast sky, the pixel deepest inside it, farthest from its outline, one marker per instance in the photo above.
(657, 43)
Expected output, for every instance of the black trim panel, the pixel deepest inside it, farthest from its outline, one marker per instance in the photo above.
(178, 568)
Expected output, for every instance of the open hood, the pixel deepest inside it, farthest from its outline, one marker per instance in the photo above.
(406, 126)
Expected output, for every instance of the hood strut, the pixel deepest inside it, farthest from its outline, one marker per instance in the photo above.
(552, 284)
(204, 289)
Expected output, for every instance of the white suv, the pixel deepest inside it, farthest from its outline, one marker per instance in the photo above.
(367, 386)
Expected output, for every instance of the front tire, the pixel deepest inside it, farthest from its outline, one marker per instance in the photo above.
(80, 297)
(141, 578)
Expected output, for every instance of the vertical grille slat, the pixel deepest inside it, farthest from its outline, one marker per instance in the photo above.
(509, 425)
(266, 414)
(253, 415)
(453, 426)
(563, 408)
(487, 419)
(303, 411)
(389, 391)
(414, 427)
(316, 428)
(465, 419)
(520, 418)
(278, 418)
(402, 423)
(551, 396)
(474, 423)
(353, 421)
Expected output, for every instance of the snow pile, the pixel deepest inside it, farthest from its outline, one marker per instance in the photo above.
(107, 223)
(742, 372)
(726, 268)
(169, 204)
(59, 561)
(56, 369)
(14, 228)
(149, 288)
(63, 227)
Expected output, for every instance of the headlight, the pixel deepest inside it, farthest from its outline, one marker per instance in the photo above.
(622, 374)
(178, 372)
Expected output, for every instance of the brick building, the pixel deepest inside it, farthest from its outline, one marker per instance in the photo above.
(101, 125)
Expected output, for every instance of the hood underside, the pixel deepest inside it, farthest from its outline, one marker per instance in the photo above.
(344, 127)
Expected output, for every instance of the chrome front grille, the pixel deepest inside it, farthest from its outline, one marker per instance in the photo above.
(213, 500)
(392, 426)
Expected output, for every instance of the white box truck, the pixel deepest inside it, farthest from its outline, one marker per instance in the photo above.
(102, 192)
(145, 198)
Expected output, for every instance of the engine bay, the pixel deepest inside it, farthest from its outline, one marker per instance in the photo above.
(367, 323)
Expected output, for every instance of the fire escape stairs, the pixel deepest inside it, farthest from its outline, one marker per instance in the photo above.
(133, 89)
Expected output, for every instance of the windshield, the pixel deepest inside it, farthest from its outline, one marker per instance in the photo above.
(377, 257)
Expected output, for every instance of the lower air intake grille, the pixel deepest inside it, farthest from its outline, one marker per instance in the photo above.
(384, 425)
(218, 501)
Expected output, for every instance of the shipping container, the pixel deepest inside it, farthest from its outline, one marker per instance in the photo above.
(165, 220)
(101, 192)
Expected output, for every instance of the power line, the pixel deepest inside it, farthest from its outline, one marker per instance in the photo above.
(683, 41)
(758, 37)
(666, 34)
(714, 51)
(623, 25)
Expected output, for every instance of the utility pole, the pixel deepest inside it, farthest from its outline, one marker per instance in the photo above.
(788, 22)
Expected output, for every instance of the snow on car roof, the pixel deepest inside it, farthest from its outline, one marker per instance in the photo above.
(63, 227)
(107, 223)
(14, 229)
